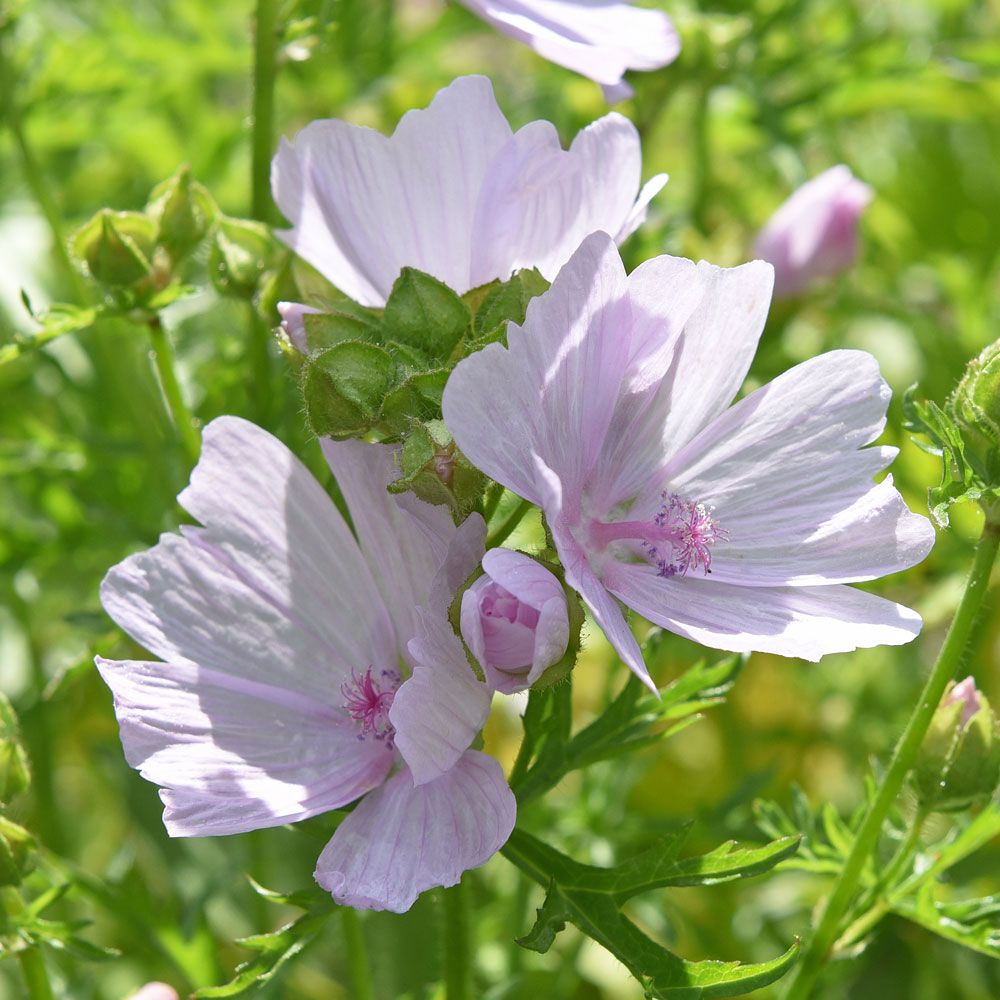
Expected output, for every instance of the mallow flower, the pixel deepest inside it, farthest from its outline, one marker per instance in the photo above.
(453, 192)
(305, 666)
(599, 39)
(814, 234)
(737, 525)
(515, 620)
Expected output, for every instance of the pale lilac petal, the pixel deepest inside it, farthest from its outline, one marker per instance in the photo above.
(252, 589)
(791, 481)
(293, 324)
(637, 216)
(713, 355)
(615, 93)
(232, 754)
(403, 839)
(465, 550)
(540, 201)
(155, 991)
(523, 576)
(363, 206)
(599, 39)
(814, 234)
(553, 392)
(440, 709)
(551, 637)
(404, 540)
(806, 622)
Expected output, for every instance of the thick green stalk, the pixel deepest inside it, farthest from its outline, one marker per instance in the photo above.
(817, 950)
(499, 536)
(264, 74)
(183, 420)
(357, 956)
(457, 943)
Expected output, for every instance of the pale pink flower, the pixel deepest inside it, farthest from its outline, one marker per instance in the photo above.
(453, 192)
(155, 991)
(515, 620)
(734, 524)
(599, 39)
(285, 643)
(814, 234)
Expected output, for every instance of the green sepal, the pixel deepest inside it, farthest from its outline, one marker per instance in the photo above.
(117, 247)
(15, 771)
(425, 313)
(241, 252)
(508, 302)
(344, 387)
(324, 330)
(183, 211)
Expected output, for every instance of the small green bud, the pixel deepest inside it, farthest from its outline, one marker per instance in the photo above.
(17, 852)
(976, 401)
(15, 774)
(183, 210)
(959, 761)
(117, 247)
(241, 252)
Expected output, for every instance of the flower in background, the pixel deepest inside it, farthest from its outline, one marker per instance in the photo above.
(455, 193)
(515, 620)
(155, 991)
(599, 39)
(814, 234)
(734, 525)
(285, 642)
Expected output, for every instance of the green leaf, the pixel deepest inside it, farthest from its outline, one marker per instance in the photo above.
(425, 313)
(971, 923)
(344, 387)
(273, 950)
(591, 898)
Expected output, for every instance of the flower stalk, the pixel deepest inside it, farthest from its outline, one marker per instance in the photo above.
(457, 943)
(36, 977)
(357, 956)
(819, 947)
(179, 413)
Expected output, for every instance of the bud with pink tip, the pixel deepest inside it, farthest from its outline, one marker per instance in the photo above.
(814, 234)
(155, 991)
(515, 620)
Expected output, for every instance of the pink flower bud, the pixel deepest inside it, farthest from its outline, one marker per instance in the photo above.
(515, 620)
(968, 696)
(293, 323)
(814, 234)
(155, 991)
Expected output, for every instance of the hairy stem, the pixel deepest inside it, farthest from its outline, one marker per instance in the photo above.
(163, 358)
(264, 74)
(357, 957)
(818, 949)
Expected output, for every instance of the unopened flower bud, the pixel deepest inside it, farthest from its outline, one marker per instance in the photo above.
(976, 402)
(814, 234)
(17, 852)
(15, 774)
(515, 620)
(241, 252)
(155, 991)
(959, 762)
(117, 247)
(183, 210)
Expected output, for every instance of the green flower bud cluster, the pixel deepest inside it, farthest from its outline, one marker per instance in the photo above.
(135, 257)
(976, 401)
(382, 373)
(959, 762)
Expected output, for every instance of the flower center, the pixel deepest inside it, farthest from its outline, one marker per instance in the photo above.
(367, 699)
(679, 537)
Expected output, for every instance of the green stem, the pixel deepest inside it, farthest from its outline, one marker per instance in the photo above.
(906, 849)
(32, 962)
(817, 951)
(264, 74)
(702, 167)
(493, 497)
(183, 420)
(513, 519)
(457, 943)
(357, 956)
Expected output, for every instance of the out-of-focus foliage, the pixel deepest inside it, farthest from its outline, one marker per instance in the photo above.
(103, 101)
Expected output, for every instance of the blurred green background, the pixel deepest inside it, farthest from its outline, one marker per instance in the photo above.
(107, 99)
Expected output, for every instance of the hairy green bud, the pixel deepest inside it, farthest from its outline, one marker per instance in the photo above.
(15, 774)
